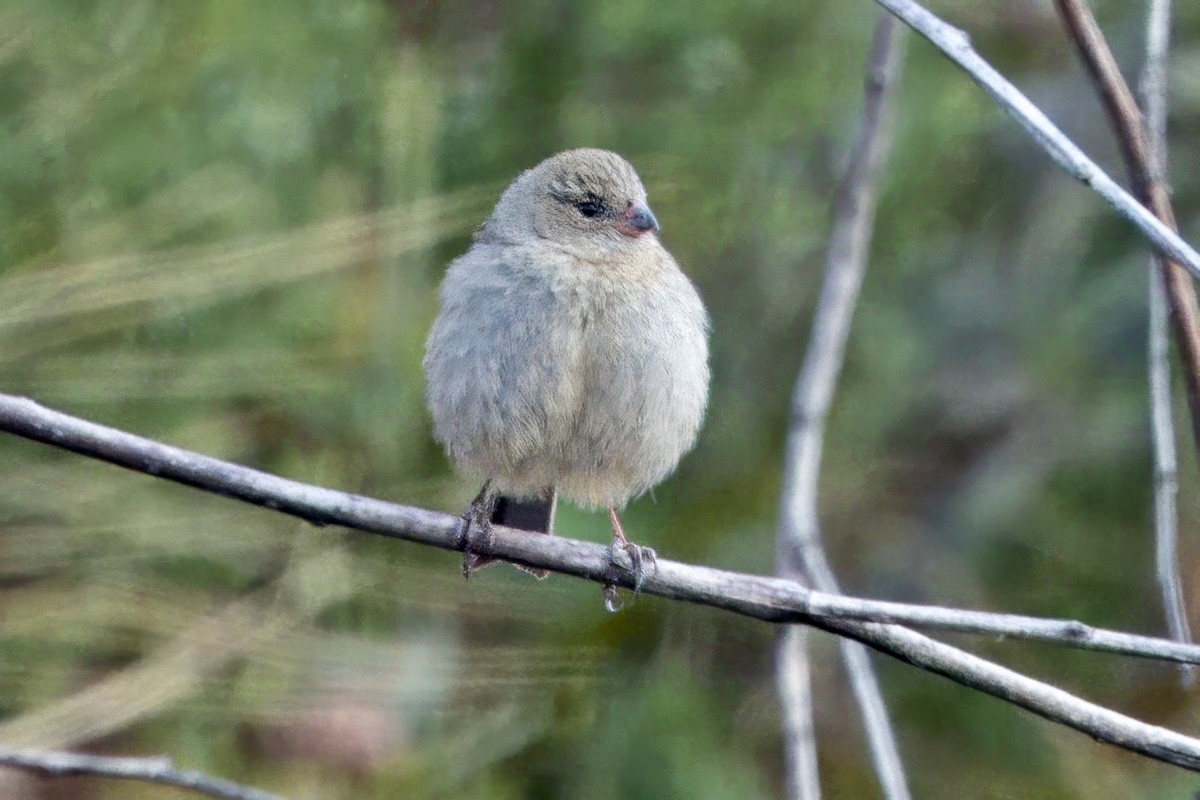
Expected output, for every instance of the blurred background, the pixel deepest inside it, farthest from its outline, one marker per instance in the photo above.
(222, 225)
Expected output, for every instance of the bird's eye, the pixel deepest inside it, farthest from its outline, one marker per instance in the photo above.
(590, 208)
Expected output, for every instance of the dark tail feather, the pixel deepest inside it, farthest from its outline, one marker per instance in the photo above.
(534, 514)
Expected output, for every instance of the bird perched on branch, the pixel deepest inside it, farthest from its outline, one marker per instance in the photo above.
(570, 355)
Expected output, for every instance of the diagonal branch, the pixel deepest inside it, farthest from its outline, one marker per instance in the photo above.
(1147, 184)
(799, 549)
(770, 599)
(1032, 695)
(1145, 173)
(52, 764)
(957, 46)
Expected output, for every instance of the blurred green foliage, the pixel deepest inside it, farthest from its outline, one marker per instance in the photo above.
(222, 224)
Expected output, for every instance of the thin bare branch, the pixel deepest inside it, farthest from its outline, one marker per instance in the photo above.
(957, 46)
(52, 764)
(799, 549)
(770, 599)
(793, 679)
(1146, 178)
(1032, 695)
(1149, 188)
(1154, 83)
(1166, 470)
(1166, 466)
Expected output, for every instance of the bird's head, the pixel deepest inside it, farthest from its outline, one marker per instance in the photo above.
(588, 201)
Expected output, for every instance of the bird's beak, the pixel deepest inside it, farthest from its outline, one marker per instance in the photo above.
(638, 219)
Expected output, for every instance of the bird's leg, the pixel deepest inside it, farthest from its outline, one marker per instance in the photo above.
(478, 516)
(641, 557)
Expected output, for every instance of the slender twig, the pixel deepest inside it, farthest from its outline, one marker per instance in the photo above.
(52, 764)
(1032, 695)
(173, 669)
(1146, 177)
(793, 680)
(1153, 83)
(770, 599)
(1147, 183)
(957, 46)
(800, 550)
(1166, 466)
(1166, 471)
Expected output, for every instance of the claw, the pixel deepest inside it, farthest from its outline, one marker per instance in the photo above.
(612, 601)
(473, 562)
(478, 517)
(643, 560)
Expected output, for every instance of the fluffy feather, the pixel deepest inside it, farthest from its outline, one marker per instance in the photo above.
(568, 353)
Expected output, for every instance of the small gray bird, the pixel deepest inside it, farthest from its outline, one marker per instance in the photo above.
(570, 355)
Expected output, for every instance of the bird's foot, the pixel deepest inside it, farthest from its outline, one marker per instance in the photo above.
(482, 540)
(633, 558)
(477, 531)
(630, 557)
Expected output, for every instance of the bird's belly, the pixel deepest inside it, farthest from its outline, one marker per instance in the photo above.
(624, 407)
(631, 427)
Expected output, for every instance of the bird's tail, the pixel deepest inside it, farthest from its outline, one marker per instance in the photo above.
(534, 514)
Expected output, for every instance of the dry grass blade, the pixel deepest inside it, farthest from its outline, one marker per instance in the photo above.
(199, 276)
